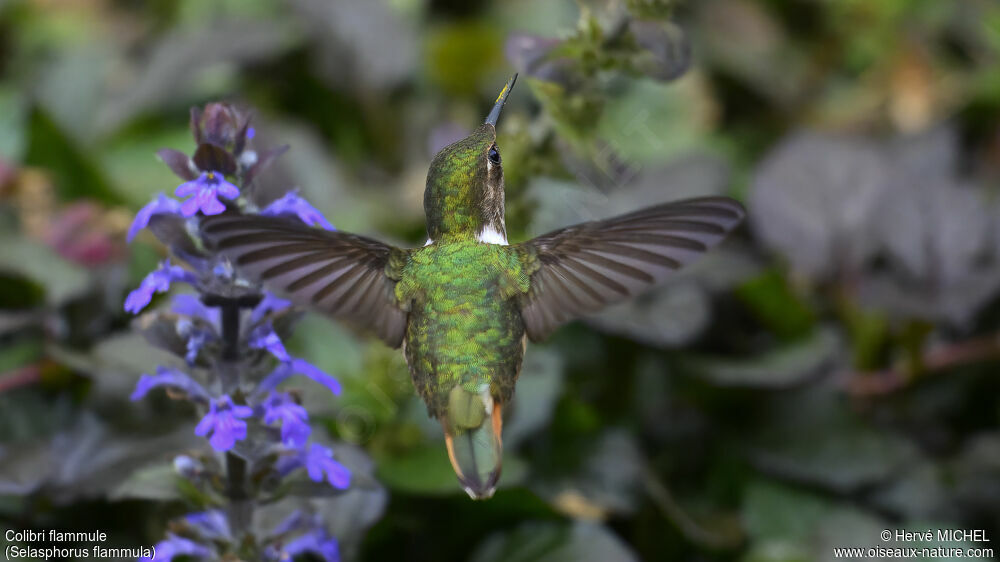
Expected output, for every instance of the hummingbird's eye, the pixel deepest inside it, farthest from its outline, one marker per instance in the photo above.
(494, 155)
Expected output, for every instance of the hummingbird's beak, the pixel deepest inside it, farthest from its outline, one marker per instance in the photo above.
(472, 433)
(501, 99)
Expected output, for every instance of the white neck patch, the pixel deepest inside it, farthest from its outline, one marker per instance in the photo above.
(490, 235)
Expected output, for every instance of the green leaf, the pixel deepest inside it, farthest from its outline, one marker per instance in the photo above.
(782, 367)
(12, 123)
(554, 542)
(538, 387)
(813, 436)
(60, 278)
(75, 173)
(426, 470)
(137, 173)
(157, 482)
(607, 478)
(772, 301)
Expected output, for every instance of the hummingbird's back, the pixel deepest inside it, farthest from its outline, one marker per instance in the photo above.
(465, 325)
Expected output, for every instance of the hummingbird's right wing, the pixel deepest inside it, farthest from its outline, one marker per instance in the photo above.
(347, 276)
(580, 269)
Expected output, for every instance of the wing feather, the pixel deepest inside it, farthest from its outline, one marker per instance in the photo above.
(347, 276)
(580, 269)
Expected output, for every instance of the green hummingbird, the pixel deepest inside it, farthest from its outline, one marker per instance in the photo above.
(463, 305)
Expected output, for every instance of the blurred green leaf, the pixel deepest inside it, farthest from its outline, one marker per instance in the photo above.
(19, 353)
(426, 470)
(607, 479)
(13, 120)
(137, 173)
(60, 278)
(538, 388)
(554, 542)
(810, 436)
(156, 482)
(75, 172)
(771, 299)
(786, 366)
(461, 55)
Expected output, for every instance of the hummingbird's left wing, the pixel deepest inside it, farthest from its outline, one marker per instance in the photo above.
(582, 268)
(350, 277)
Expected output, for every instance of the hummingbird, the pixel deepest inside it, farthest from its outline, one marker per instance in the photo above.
(463, 305)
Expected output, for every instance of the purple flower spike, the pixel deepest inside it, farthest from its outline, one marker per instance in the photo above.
(157, 281)
(224, 422)
(264, 337)
(320, 465)
(317, 541)
(162, 205)
(205, 192)
(175, 546)
(280, 407)
(292, 204)
(298, 367)
(168, 377)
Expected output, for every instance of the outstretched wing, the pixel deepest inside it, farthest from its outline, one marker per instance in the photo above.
(580, 269)
(347, 276)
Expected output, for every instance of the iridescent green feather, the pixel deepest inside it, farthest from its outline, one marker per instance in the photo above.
(465, 329)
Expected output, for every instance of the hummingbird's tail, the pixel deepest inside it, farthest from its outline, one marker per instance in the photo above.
(472, 428)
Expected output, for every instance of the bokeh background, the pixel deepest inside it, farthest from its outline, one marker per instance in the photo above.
(831, 371)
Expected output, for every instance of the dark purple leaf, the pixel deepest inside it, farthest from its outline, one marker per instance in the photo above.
(813, 200)
(159, 329)
(241, 136)
(172, 231)
(193, 123)
(211, 158)
(178, 162)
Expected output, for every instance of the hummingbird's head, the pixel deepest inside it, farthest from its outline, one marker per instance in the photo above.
(473, 422)
(464, 194)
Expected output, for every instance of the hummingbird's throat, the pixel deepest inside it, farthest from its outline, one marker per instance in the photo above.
(473, 426)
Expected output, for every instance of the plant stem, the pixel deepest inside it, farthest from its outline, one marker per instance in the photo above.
(240, 508)
(879, 383)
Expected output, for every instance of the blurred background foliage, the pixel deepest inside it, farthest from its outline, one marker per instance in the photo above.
(829, 372)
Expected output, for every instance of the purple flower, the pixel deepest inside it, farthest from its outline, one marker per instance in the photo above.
(280, 407)
(158, 281)
(264, 337)
(224, 422)
(205, 192)
(314, 539)
(188, 467)
(292, 204)
(319, 462)
(166, 376)
(196, 340)
(162, 205)
(173, 546)
(211, 524)
(190, 305)
(297, 367)
(317, 541)
(270, 303)
(294, 522)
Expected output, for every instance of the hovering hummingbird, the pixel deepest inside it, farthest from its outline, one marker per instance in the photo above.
(463, 305)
